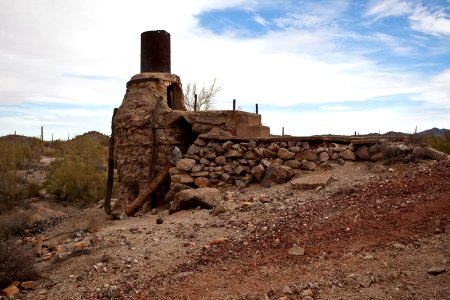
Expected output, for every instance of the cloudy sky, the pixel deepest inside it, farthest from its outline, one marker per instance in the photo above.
(313, 66)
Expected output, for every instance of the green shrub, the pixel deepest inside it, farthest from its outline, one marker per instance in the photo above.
(80, 174)
(16, 152)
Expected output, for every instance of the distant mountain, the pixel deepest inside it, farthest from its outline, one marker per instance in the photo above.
(435, 131)
(18, 138)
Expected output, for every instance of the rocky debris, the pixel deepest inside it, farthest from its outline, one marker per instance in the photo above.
(206, 197)
(311, 181)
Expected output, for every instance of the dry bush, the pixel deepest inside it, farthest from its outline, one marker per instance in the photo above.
(17, 262)
(80, 175)
(12, 223)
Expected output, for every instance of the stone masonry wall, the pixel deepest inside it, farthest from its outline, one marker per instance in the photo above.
(217, 163)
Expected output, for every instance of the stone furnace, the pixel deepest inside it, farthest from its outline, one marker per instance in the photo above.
(151, 127)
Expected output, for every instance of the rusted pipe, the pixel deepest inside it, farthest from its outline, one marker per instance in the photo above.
(155, 51)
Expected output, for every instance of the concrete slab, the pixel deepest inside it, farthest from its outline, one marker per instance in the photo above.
(311, 182)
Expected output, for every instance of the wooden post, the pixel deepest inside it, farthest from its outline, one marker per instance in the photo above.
(234, 104)
(195, 102)
(110, 179)
(256, 108)
(147, 191)
(155, 142)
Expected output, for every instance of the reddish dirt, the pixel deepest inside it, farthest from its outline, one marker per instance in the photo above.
(385, 218)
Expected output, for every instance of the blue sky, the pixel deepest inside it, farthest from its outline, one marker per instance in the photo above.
(314, 67)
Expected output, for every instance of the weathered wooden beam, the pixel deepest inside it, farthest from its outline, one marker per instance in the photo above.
(110, 180)
(147, 191)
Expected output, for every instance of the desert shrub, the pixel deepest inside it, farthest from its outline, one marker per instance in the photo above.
(12, 187)
(16, 152)
(80, 174)
(439, 142)
(17, 262)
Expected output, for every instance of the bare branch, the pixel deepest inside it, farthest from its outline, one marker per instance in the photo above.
(205, 98)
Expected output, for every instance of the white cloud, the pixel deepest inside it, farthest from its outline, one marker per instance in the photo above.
(388, 8)
(48, 39)
(395, 44)
(435, 23)
(436, 90)
(421, 19)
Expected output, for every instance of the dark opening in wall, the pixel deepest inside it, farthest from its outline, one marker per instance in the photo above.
(175, 96)
(171, 91)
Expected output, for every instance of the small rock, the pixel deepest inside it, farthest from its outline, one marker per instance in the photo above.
(82, 244)
(307, 293)
(218, 241)
(10, 291)
(28, 285)
(159, 221)
(436, 270)
(182, 275)
(287, 290)
(185, 164)
(297, 251)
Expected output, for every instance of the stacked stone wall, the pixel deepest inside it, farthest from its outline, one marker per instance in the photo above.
(217, 163)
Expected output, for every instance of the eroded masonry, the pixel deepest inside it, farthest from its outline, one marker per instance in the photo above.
(160, 149)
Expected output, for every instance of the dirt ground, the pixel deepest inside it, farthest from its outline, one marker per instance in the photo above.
(367, 235)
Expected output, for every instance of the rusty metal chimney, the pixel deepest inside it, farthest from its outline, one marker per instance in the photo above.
(155, 51)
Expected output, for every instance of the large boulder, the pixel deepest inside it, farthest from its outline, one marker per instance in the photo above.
(310, 155)
(284, 153)
(348, 155)
(429, 153)
(258, 171)
(279, 174)
(205, 197)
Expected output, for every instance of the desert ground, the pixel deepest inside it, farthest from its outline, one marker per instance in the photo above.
(370, 233)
